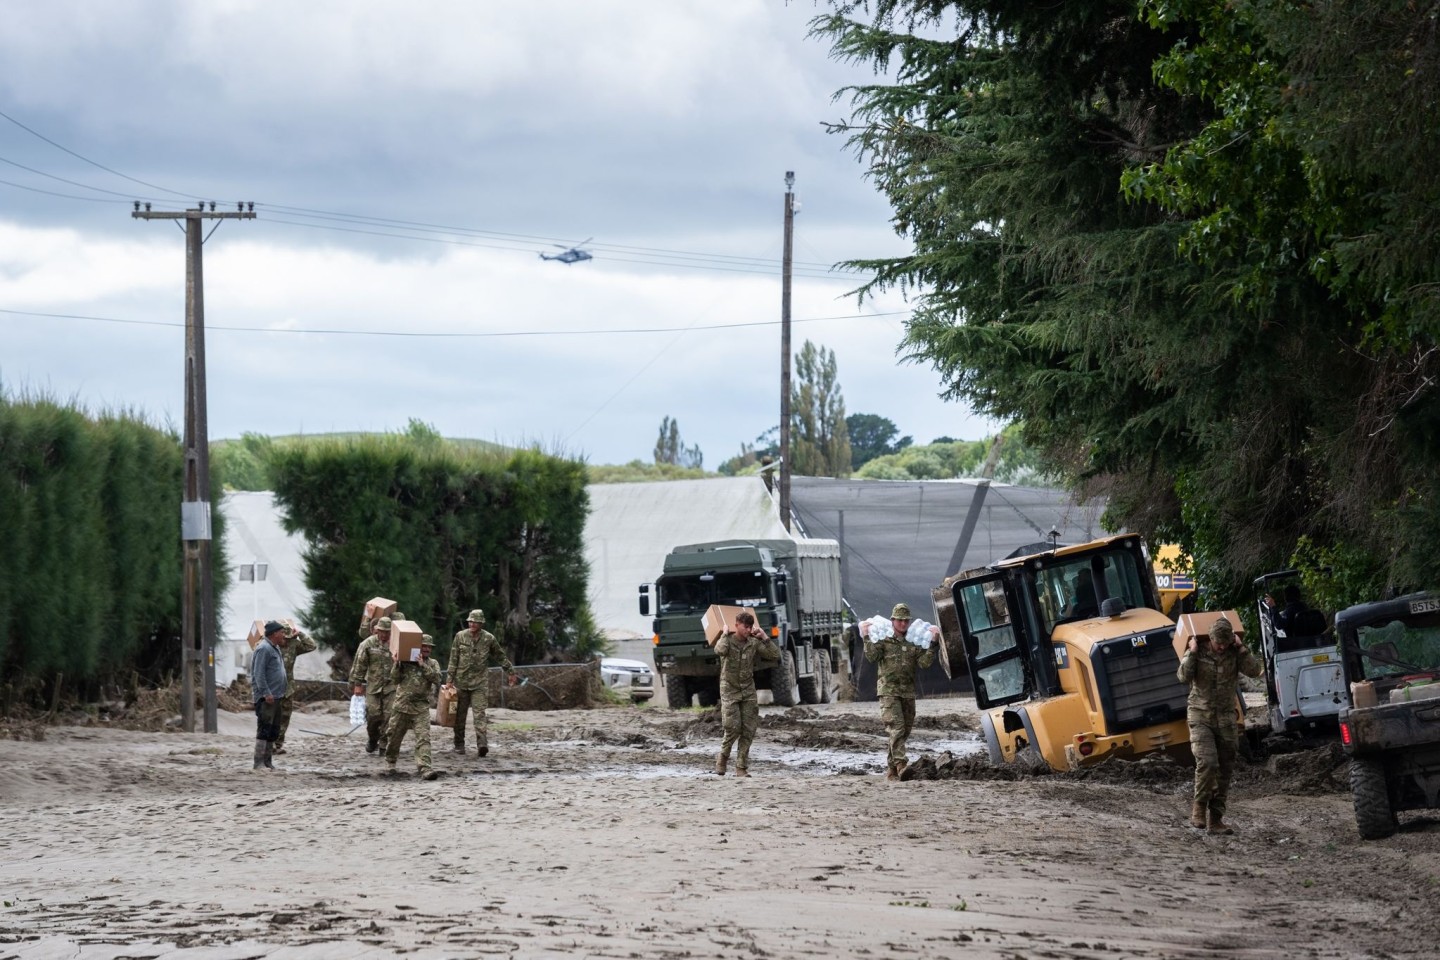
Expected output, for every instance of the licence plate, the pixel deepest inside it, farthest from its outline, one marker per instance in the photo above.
(1320, 658)
(1424, 606)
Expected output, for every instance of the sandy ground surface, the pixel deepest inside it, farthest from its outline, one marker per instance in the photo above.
(600, 833)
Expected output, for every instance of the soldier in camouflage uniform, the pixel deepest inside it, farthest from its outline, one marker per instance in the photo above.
(739, 708)
(370, 675)
(1213, 674)
(898, 661)
(472, 652)
(297, 641)
(410, 709)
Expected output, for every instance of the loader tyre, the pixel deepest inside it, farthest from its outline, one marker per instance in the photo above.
(784, 688)
(677, 692)
(708, 693)
(1373, 816)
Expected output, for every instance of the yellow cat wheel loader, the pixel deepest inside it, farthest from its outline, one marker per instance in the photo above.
(1072, 660)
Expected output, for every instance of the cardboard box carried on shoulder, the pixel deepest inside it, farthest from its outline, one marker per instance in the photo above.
(720, 619)
(377, 608)
(405, 637)
(257, 633)
(445, 707)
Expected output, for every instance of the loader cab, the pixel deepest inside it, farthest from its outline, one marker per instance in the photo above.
(1013, 616)
(1304, 683)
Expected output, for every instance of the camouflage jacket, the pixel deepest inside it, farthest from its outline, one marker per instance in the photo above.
(373, 666)
(302, 642)
(899, 660)
(413, 683)
(737, 664)
(470, 658)
(1214, 680)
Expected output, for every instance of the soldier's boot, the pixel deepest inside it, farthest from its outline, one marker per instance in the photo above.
(1218, 826)
(390, 767)
(482, 751)
(428, 774)
(721, 763)
(460, 747)
(372, 745)
(741, 772)
(891, 773)
(1197, 815)
(259, 754)
(279, 747)
(269, 752)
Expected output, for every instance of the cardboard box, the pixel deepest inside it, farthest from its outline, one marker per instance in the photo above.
(405, 636)
(445, 707)
(1198, 625)
(1362, 694)
(720, 619)
(377, 608)
(257, 633)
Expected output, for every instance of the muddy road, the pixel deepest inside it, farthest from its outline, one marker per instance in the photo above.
(601, 833)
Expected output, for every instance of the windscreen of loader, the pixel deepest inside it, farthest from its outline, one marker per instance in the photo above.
(1071, 591)
(1399, 648)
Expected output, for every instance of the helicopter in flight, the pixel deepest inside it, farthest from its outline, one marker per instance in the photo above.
(570, 254)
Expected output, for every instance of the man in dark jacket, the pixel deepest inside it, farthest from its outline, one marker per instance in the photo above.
(267, 686)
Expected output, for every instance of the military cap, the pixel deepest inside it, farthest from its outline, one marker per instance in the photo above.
(397, 615)
(476, 616)
(273, 626)
(901, 612)
(426, 640)
(383, 623)
(1221, 630)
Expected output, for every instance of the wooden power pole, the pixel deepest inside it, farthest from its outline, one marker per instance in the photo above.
(785, 349)
(197, 602)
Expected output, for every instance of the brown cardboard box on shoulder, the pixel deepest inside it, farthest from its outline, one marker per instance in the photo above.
(257, 633)
(445, 707)
(405, 637)
(720, 619)
(377, 608)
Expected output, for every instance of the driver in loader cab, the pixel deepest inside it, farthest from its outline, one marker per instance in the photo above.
(1213, 673)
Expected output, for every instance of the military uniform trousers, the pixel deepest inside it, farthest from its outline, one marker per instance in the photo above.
(474, 703)
(739, 719)
(287, 707)
(377, 706)
(1214, 745)
(401, 724)
(899, 716)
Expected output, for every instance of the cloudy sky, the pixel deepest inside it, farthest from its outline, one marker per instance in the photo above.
(407, 162)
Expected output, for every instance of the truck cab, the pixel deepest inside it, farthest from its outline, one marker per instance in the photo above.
(793, 588)
(1071, 657)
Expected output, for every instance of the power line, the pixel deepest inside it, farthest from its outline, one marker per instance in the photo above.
(441, 335)
(669, 257)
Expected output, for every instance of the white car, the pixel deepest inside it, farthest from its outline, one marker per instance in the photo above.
(628, 676)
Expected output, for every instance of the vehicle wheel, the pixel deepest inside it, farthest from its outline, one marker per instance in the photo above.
(783, 686)
(827, 690)
(810, 686)
(709, 693)
(1373, 816)
(677, 692)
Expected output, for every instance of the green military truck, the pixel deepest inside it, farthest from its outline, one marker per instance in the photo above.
(794, 588)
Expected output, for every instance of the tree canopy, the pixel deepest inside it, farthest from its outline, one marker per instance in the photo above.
(1189, 246)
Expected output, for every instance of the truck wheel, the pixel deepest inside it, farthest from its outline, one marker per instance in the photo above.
(810, 686)
(677, 692)
(822, 670)
(783, 686)
(709, 693)
(1373, 816)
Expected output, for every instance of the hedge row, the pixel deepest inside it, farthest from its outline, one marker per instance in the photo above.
(91, 564)
(441, 530)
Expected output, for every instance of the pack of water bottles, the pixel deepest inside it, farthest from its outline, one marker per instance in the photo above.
(357, 709)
